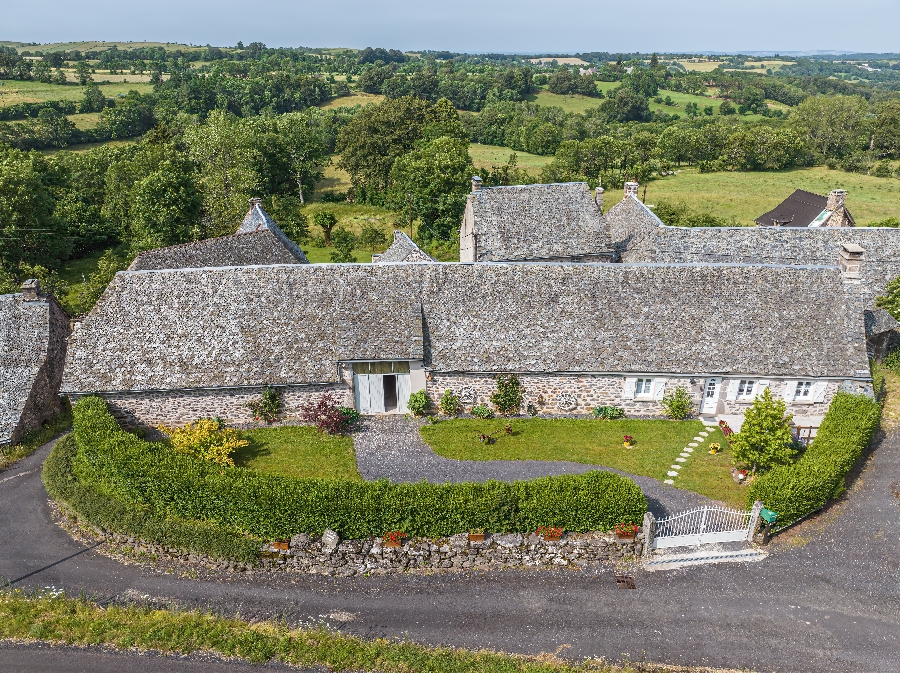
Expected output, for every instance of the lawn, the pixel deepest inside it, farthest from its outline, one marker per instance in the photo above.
(595, 442)
(14, 91)
(746, 196)
(298, 451)
(487, 156)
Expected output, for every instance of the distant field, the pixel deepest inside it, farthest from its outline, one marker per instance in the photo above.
(87, 120)
(746, 196)
(573, 103)
(335, 180)
(707, 66)
(354, 99)
(487, 156)
(13, 91)
(95, 46)
(561, 61)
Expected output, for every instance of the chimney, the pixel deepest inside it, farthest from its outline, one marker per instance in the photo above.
(599, 195)
(631, 188)
(31, 290)
(851, 259)
(836, 199)
(255, 201)
(476, 183)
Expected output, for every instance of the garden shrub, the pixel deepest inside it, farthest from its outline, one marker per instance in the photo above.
(807, 485)
(482, 411)
(160, 483)
(102, 510)
(450, 404)
(508, 396)
(609, 413)
(678, 404)
(328, 415)
(418, 403)
(268, 406)
(206, 439)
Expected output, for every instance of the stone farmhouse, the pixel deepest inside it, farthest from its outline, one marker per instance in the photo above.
(33, 333)
(724, 312)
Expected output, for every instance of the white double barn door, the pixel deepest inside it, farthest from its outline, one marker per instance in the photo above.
(372, 396)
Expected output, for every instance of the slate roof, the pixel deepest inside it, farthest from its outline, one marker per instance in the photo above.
(225, 327)
(533, 222)
(403, 249)
(878, 321)
(797, 210)
(257, 241)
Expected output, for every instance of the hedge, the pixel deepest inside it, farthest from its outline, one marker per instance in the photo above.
(797, 490)
(109, 513)
(130, 470)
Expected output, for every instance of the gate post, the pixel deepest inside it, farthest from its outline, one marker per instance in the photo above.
(649, 532)
(754, 520)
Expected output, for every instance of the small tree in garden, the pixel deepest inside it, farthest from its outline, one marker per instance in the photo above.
(508, 396)
(327, 414)
(450, 404)
(326, 222)
(678, 404)
(267, 407)
(765, 437)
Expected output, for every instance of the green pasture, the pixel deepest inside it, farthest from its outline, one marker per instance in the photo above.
(487, 156)
(746, 196)
(14, 91)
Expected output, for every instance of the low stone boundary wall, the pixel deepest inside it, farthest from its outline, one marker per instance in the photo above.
(359, 557)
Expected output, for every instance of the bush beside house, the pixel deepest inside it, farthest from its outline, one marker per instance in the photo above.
(120, 482)
(801, 488)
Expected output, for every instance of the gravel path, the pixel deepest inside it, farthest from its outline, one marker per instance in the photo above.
(390, 447)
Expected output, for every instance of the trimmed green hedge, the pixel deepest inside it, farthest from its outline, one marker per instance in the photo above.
(109, 513)
(807, 485)
(171, 484)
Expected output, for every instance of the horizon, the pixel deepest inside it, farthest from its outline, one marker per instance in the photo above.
(526, 27)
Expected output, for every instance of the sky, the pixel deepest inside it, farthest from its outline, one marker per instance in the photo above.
(526, 26)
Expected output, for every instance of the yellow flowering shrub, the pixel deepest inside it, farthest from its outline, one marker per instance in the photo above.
(206, 439)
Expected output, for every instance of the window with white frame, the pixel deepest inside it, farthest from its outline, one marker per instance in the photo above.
(804, 391)
(745, 389)
(643, 388)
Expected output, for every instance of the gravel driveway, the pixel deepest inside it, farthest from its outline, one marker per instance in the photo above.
(390, 447)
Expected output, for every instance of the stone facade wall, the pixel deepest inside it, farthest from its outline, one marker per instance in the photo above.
(149, 409)
(33, 337)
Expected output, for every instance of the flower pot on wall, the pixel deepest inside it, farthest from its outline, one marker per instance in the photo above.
(476, 537)
(391, 543)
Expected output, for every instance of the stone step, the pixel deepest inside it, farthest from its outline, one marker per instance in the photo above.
(680, 459)
(668, 481)
(703, 558)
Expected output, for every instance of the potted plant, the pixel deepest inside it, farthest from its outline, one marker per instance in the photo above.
(476, 535)
(550, 533)
(714, 448)
(628, 441)
(281, 545)
(726, 430)
(393, 538)
(626, 531)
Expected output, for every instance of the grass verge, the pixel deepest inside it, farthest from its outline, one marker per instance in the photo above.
(301, 452)
(63, 620)
(35, 439)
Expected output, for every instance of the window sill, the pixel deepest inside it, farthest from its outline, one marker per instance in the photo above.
(644, 398)
(802, 402)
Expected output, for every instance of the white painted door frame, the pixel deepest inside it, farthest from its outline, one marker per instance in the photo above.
(709, 404)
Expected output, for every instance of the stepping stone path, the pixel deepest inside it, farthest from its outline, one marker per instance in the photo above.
(687, 451)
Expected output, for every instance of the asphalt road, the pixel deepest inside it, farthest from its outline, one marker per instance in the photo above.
(829, 602)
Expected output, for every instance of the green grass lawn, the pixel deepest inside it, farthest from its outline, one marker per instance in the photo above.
(595, 442)
(75, 271)
(295, 451)
(14, 91)
(746, 196)
(488, 156)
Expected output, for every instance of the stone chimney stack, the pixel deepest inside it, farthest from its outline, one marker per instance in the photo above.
(631, 188)
(476, 183)
(31, 290)
(836, 199)
(851, 260)
(598, 196)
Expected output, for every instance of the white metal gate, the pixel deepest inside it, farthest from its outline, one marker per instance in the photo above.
(705, 525)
